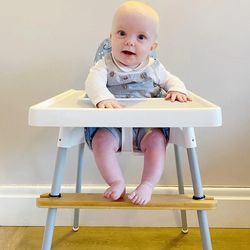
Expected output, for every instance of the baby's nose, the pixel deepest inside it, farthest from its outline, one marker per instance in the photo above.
(130, 41)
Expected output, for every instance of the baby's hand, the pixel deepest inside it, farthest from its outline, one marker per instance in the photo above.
(177, 96)
(110, 103)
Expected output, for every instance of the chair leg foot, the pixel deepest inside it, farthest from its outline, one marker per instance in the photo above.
(185, 231)
(75, 229)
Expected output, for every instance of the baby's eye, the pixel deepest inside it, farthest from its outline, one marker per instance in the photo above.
(141, 37)
(121, 33)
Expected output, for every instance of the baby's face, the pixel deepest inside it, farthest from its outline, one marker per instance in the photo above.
(132, 38)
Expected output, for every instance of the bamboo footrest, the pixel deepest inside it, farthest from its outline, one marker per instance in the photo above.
(158, 201)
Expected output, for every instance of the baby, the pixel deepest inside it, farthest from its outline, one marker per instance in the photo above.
(129, 72)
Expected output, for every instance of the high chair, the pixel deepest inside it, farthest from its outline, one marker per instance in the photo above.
(71, 111)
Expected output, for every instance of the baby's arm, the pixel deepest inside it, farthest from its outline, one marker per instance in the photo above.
(95, 84)
(96, 88)
(176, 90)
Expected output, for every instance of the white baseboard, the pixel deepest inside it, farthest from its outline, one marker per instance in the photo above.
(18, 208)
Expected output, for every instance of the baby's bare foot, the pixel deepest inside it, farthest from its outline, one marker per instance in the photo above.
(115, 191)
(142, 194)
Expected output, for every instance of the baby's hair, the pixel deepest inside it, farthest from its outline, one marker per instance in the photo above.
(142, 8)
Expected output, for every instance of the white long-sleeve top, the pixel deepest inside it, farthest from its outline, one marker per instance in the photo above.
(97, 84)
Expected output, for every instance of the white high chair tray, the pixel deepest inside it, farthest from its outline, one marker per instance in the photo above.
(72, 109)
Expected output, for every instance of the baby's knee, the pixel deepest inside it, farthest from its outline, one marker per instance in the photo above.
(103, 139)
(153, 139)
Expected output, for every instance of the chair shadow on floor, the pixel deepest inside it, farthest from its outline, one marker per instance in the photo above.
(174, 242)
(63, 238)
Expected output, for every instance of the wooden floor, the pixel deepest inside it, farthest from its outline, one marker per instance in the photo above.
(122, 238)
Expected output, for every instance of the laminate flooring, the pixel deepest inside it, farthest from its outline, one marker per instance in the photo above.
(122, 238)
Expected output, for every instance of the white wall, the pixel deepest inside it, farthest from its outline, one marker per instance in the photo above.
(48, 46)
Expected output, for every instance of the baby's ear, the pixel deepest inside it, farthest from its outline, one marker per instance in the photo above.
(154, 46)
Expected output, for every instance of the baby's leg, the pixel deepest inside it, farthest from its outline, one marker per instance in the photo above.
(153, 145)
(105, 146)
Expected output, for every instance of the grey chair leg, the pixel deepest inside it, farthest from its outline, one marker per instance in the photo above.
(79, 178)
(198, 194)
(179, 169)
(55, 192)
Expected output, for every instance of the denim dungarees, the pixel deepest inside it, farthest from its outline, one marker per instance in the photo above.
(130, 85)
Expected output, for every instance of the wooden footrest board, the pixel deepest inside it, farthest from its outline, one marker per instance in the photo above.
(94, 201)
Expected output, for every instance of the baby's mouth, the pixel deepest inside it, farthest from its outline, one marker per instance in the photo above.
(127, 52)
